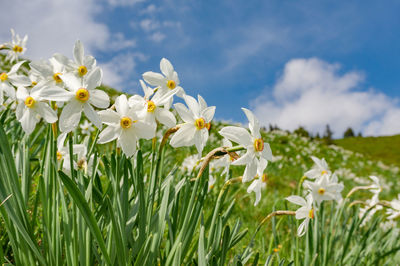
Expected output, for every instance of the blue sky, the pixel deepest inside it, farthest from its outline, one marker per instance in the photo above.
(238, 54)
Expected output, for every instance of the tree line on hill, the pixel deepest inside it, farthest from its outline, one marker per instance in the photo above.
(327, 136)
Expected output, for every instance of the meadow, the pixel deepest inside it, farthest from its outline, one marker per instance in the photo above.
(93, 176)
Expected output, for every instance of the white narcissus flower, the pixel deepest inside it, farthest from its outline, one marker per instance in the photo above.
(166, 81)
(81, 65)
(306, 211)
(375, 187)
(257, 153)
(325, 188)
(17, 47)
(394, 210)
(80, 97)
(190, 163)
(196, 119)
(256, 187)
(319, 169)
(49, 71)
(87, 127)
(30, 108)
(8, 79)
(152, 109)
(124, 125)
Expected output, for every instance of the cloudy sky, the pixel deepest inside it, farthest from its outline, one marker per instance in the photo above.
(292, 62)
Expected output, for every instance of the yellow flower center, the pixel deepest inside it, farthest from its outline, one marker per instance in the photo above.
(258, 144)
(324, 172)
(82, 95)
(200, 123)
(57, 78)
(82, 70)
(321, 191)
(3, 76)
(59, 156)
(211, 187)
(126, 122)
(208, 126)
(311, 214)
(171, 84)
(29, 102)
(276, 250)
(18, 49)
(151, 106)
(264, 178)
(34, 83)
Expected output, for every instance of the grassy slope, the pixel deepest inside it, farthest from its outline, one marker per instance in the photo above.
(385, 149)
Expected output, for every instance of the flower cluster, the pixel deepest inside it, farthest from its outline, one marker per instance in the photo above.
(325, 187)
(65, 92)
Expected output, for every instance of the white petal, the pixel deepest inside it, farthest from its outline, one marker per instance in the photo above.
(121, 104)
(45, 111)
(266, 152)
(99, 98)
(249, 172)
(166, 67)
(237, 134)
(107, 135)
(94, 78)
(78, 52)
(208, 113)
(202, 102)
(28, 121)
(184, 113)
(56, 94)
(71, 81)
(18, 80)
(301, 229)
(165, 117)
(297, 200)
(144, 130)
(128, 142)
(253, 123)
(247, 158)
(154, 79)
(192, 104)
(184, 136)
(198, 141)
(109, 116)
(15, 67)
(20, 109)
(22, 93)
(8, 89)
(70, 116)
(92, 115)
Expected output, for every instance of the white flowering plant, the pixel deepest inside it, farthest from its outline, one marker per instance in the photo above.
(91, 179)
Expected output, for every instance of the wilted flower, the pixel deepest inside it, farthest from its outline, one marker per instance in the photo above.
(306, 211)
(197, 120)
(257, 154)
(394, 210)
(125, 126)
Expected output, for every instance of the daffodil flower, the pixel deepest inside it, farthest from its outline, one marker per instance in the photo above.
(306, 211)
(394, 210)
(81, 65)
(256, 186)
(152, 109)
(257, 153)
(166, 81)
(319, 169)
(124, 125)
(16, 47)
(325, 188)
(86, 128)
(30, 108)
(80, 97)
(10, 79)
(196, 119)
(49, 71)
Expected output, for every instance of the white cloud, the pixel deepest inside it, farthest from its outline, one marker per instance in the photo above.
(157, 36)
(119, 68)
(149, 24)
(312, 93)
(123, 3)
(54, 26)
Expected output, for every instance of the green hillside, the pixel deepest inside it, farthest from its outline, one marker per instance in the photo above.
(385, 149)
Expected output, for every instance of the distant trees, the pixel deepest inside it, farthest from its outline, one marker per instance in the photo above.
(327, 137)
(348, 133)
(301, 131)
